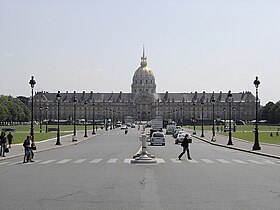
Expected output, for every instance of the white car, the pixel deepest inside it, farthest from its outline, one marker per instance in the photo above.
(158, 138)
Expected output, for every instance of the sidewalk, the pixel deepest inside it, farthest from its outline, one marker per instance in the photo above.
(268, 150)
(17, 150)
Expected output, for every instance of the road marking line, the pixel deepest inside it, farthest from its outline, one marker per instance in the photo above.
(254, 161)
(127, 160)
(193, 161)
(222, 161)
(240, 161)
(4, 163)
(95, 161)
(269, 162)
(48, 161)
(64, 161)
(79, 161)
(112, 161)
(207, 161)
(14, 163)
(160, 160)
(176, 160)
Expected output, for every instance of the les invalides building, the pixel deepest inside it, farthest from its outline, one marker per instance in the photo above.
(143, 103)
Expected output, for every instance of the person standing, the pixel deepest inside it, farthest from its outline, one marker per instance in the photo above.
(10, 139)
(3, 143)
(185, 145)
(27, 150)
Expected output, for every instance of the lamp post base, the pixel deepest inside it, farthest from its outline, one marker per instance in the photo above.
(256, 147)
(74, 138)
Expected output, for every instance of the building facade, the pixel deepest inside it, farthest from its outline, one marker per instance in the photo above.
(143, 103)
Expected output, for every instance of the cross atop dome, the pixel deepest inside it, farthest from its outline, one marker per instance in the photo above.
(143, 59)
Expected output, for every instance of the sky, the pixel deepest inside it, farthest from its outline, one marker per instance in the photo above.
(96, 45)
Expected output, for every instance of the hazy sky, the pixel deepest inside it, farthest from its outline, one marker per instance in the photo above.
(96, 45)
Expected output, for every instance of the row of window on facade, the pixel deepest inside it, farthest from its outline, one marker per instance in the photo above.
(100, 115)
(143, 82)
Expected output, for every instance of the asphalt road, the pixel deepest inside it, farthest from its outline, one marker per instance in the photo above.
(96, 174)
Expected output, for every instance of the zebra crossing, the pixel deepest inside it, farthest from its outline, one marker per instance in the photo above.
(159, 161)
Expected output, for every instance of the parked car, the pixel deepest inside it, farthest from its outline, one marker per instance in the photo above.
(158, 138)
(132, 125)
(181, 137)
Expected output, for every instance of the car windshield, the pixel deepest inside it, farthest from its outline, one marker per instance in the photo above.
(158, 135)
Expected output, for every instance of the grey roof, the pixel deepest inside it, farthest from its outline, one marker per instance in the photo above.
(193, 97)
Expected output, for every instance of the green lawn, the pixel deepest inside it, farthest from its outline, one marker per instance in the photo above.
(245, 132)
(23, 130)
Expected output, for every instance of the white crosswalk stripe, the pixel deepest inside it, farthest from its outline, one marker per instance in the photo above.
(127, 160)
(14, 163)
(176, 160)
(3, 163)
(47, 162)
(269, 162)
(254, 161)
(95, 161)
(193, 161)
(222, 161)
(80, 161)
(159, 160)
(207, 160)
(64, 161)
(112, 161)
(240, 161)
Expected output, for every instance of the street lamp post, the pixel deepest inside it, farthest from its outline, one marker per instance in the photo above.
(256, 144)
(224, 119)
(111, 126)
(85, 119)
(234, 124)
(229, 116)
(93, 117)
(106, 120)
(202, 122)
(32, 83)
(41, 108)
(114, 119)
(194, 131)
(74, 131)
(181, 116)
(47, 118)
(213, 125)
(58, 97)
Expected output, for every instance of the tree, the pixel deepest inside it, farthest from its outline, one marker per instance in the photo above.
(271, 112)
(13, 110)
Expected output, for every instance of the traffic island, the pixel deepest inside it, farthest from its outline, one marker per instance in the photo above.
(144, 157)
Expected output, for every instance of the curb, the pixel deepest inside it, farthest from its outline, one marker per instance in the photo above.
(237, 148)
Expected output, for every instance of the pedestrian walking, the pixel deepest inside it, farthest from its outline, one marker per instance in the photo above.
(185, 145)
(27, 150)
(126, 130)
(10, 139)
(3, 143)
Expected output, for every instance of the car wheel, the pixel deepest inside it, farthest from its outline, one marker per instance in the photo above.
(163, 144)
(176, 142)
